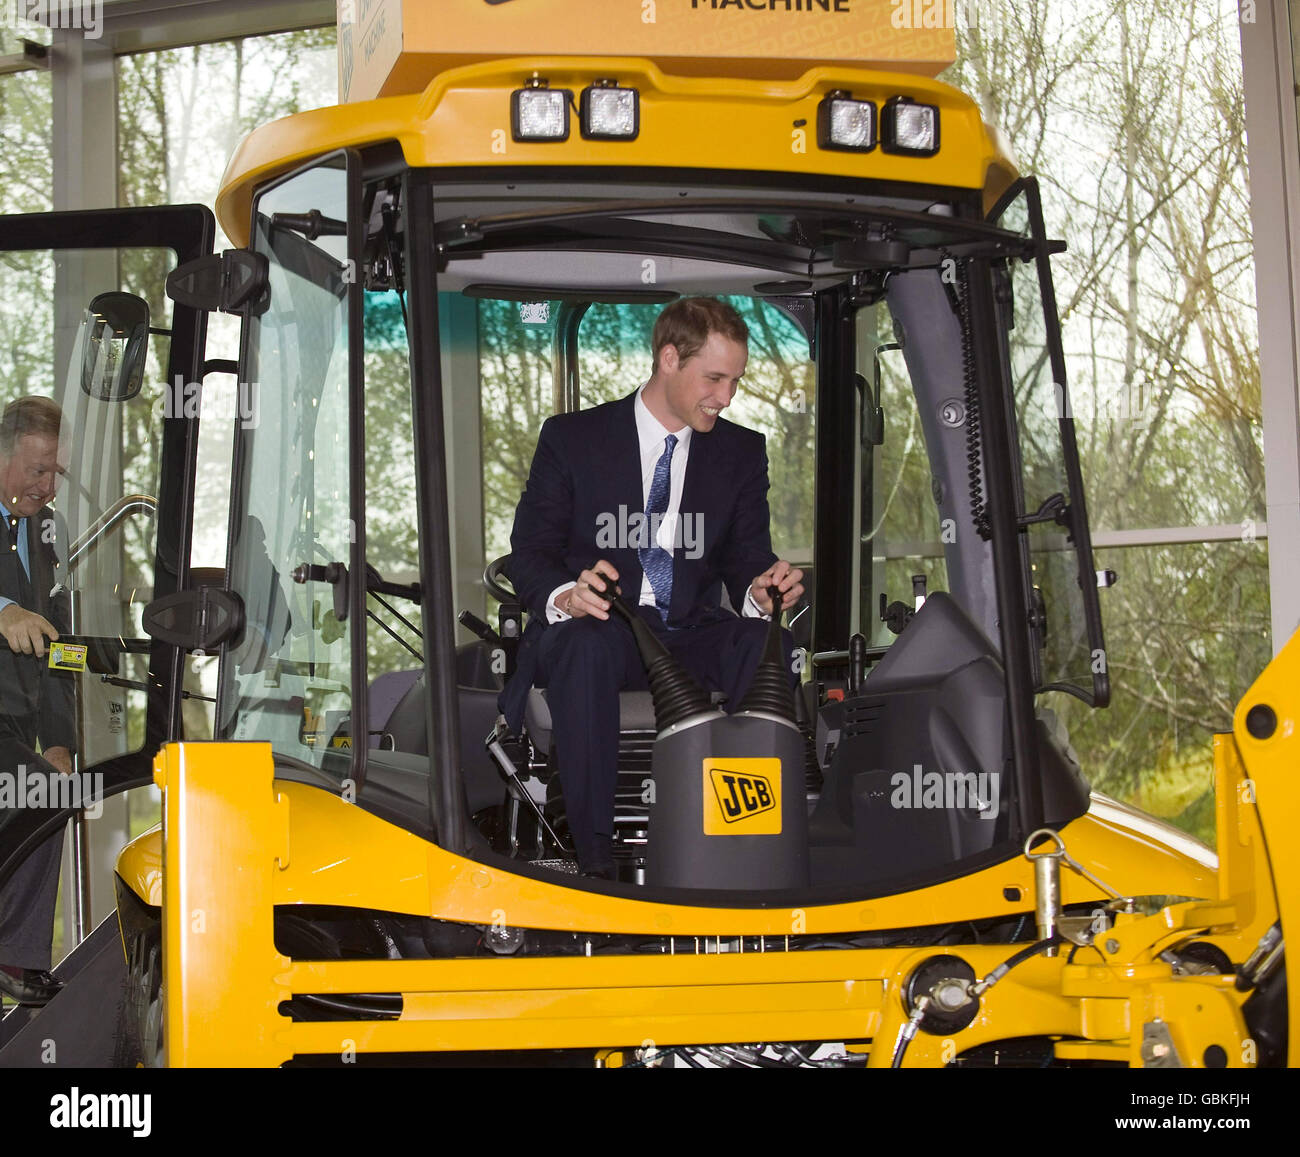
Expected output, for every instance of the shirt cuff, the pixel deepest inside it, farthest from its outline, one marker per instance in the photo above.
(553, 613)
(4, 602)
(751, 609)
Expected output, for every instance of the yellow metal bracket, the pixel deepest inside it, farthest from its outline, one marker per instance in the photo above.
(225, 836)
(1266, 733)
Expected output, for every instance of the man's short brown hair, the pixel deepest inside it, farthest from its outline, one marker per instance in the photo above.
(30, 415)
(687, 323)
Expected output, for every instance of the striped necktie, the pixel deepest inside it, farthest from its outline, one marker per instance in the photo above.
(655, 561)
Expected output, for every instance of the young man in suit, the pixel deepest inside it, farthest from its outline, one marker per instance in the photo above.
(658, 493)
(37, 705)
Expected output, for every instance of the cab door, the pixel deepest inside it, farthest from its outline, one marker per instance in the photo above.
(85, 322)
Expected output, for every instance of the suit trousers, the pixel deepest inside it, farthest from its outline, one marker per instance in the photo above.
(27, 901)
(27, 906)
(584, 664)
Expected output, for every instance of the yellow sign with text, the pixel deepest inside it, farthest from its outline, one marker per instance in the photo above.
(742, 797)
(67, 657)
(388, 47)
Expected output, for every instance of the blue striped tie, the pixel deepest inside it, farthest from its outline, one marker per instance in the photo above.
(655, 561)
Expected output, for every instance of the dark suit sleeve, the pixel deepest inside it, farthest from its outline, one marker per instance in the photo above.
(58, 702)
(747, 552)
(543, 519)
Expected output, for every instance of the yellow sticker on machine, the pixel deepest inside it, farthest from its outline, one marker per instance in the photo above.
(742, 797)
(67, 657)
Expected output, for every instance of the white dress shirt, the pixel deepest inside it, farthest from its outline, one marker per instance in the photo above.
(651, 435)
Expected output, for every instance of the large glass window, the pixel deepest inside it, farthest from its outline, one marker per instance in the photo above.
(180, 114)
(1132, 117)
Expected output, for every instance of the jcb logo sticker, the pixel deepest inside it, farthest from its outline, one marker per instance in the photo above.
(742, 797)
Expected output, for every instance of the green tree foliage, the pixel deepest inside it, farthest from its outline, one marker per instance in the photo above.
(26, 186)
(181, 112)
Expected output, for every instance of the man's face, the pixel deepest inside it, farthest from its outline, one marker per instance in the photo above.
(696, 391)
(30, 475)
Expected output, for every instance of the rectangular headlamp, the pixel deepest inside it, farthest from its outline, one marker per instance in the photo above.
(846, 124)
(907, 126)
(539, 113)
(610, 113)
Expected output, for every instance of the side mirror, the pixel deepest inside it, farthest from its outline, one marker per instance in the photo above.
(114, 340)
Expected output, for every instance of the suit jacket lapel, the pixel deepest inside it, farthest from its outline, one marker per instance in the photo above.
(625, 446)
(621, 483)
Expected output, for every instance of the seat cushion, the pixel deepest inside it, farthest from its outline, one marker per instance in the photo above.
(636, 712)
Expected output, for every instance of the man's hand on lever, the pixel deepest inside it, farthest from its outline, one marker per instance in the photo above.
(26, 631)
(787, 579)
(581, 600)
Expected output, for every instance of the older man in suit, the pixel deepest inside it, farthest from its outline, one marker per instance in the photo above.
(37, 705)
(657, 493)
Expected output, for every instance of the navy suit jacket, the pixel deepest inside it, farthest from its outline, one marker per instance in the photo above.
(585, 482)
(37, 703)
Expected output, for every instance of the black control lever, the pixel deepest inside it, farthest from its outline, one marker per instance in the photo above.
(857, 662)
(472, 622)
(774, 594)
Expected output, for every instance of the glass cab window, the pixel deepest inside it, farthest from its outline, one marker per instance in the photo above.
(289, 679)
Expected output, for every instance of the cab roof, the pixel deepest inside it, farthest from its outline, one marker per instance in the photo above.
(462, 119)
